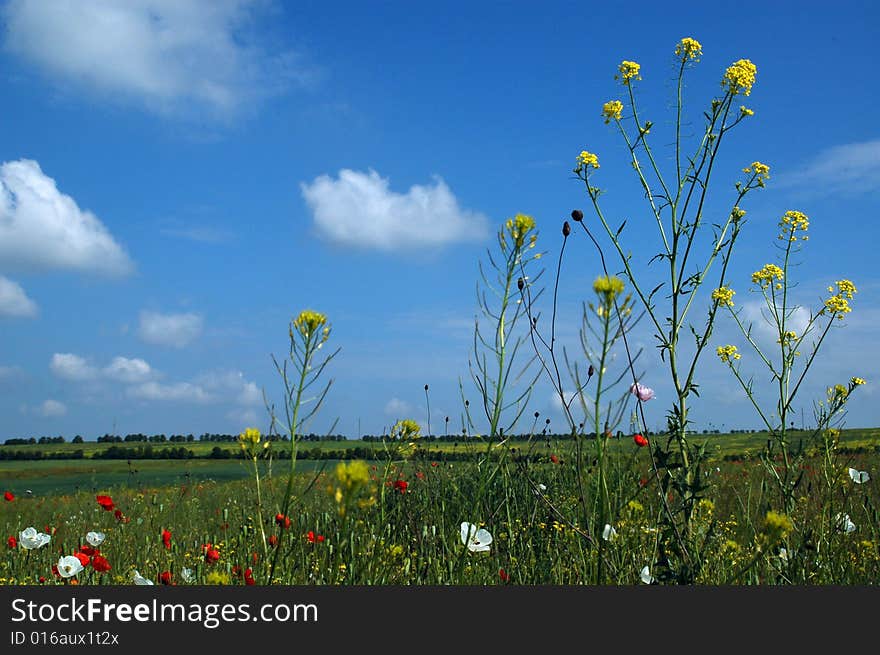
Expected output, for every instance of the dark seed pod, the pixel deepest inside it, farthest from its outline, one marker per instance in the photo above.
(577, 215)
(566, 229)
(520, 283)
(590, 371)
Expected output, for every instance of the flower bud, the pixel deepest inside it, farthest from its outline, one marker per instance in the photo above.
(520, 283)
(566, 229)
(577, 215)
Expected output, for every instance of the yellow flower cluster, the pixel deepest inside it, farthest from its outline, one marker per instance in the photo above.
(761, 172)
(250, 436)
(353, 474)
(838, 304)
(857, 382)
(308, 322)
(736, 213)
(777, 525)
(585, 160)
(406, 430)
(837, 392)
(791, 222)
(608, 286)
(689, 48)
(727, 354)
(519, 227)
(612, 110)
(766, 275)
(724, 296)
(745, 111)
(628, 70)
(740, 77)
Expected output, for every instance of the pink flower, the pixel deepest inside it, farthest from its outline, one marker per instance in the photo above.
(644, 393)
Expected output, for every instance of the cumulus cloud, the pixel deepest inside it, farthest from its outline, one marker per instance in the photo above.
(72, 367)
(130, 371)
(231, 385)
(174, 330)
(170, 56)
(755, 312)
(14, 302)
(44, 229)
(360, 210)
(51, 408)
(849, 168)
(178, 392)
(397, 408)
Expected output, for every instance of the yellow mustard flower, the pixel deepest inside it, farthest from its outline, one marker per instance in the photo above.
(766, 275)
(724, 296)
(689, 48)
(740, 77)
(586, 160)
(519, 228)
(612, 110)
(857, 382)
(628, 70)
(608, 286)
(727, 353)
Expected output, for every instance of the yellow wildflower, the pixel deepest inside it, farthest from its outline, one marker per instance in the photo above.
(740, 77)
(519, 227)
(724, 296)
(608, 286)
(856, 382)
(766, 275)
(689, 48)
(777, 526)
(745, 111)
(612, 110)
(727, 353)
(585, 160)
(308, 322)
(628, 70)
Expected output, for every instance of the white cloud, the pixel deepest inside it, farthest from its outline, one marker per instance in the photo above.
(250, 395)
(849, 168)
(51, 408)
(14, 301)
(72, 367)
(361, 211)
(756, 313)
(231, 385)
(42, 228)
(10, 372)
(175, 330)
(170, 55)
(130, 371)
(397, 408)
(180, 392)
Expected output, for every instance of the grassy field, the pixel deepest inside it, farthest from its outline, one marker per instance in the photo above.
(399, 521)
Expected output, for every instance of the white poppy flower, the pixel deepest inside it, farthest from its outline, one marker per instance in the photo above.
(95, 538)
(783, 554)
(29, 539)
(646, 576)
(187, 575)
(477, 540)
(858, 476)
(608, 533)
(139, 579)
(542, 487)
(844, 523)
(69, 566)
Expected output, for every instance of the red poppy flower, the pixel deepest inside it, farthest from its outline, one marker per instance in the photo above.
(8, 496)
(554, 459)
(504, 575)
(420, 475)
(310, 535)
(401, 485)
(42, 579)
(643, 482)
(166, 539)
(273, 540)
(641, 442)
(106, 502)
(255, 557)
(100, 564)
(249, 577)
(83, 558)
(165, 577)
(12, 542)
(55, 571)
(282, 521)
(89, 551)
(122, 518)
(211, 553)
(434, 465)
(320, 538)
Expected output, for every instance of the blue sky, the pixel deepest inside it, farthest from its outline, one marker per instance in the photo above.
(181, 178)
